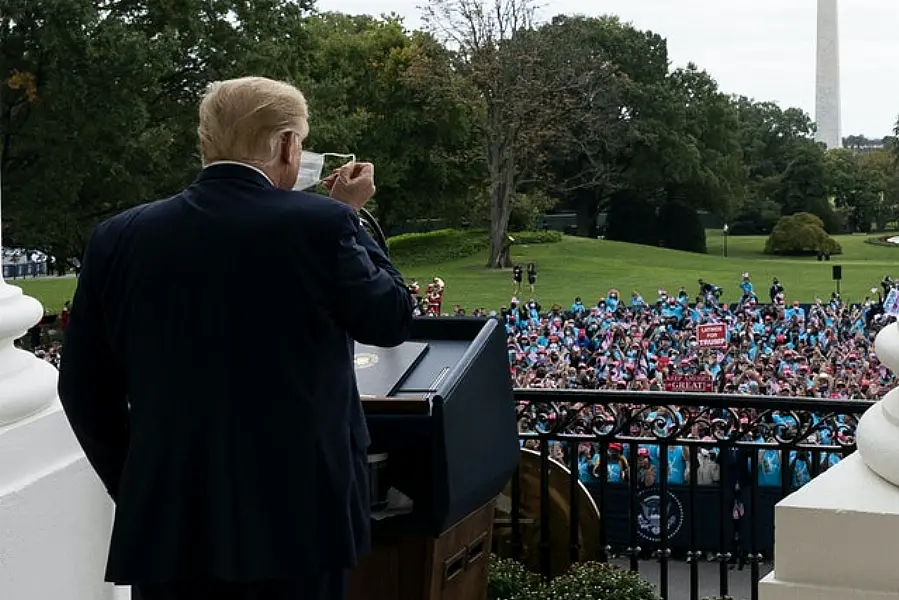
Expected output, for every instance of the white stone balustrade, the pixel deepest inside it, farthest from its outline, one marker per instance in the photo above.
(55, 516)
(878, 431)
(837, 538)
(27, 384)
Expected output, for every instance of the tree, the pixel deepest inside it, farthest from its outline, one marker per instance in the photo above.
(712, 174)
(682, 229)
(79, 138)
(632, 218)
(530, 89)
(770, 137)
(803, 187)
(854, 192)
(880, 172)
(384, 95)
(582, 147)
(585, 179)
(492, 53)
(755, 216)
(100, 111)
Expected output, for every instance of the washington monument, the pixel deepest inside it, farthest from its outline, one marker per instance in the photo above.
(827, 86)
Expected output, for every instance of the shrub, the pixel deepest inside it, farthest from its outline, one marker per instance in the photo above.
(416, 249)
(800, 234)
(527, 209)
(537, 237)
(509, 580)
(596, 581)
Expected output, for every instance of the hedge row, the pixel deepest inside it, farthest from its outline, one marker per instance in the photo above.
(510, 580)
(443, 245)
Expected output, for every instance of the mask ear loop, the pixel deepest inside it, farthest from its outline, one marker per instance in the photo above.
(352, 157)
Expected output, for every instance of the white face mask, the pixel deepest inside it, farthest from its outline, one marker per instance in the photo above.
(311, 166)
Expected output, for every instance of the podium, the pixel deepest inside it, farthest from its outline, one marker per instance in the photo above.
(444, 417)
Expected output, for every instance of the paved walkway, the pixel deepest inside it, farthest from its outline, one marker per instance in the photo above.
(739, 582)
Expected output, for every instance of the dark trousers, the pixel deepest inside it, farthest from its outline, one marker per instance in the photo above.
(325, 586)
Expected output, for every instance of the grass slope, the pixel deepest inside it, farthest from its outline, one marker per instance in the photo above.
(588, 268)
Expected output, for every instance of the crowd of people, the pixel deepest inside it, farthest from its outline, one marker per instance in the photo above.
(821, 350)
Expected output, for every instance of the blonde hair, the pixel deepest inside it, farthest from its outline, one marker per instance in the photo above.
(244, 120)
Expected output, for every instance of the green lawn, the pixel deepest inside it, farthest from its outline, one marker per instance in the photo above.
(51, 291)
(588, 268)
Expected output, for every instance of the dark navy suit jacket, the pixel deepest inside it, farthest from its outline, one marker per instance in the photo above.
(208, 375)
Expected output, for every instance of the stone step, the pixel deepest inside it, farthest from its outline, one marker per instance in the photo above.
(772, 589)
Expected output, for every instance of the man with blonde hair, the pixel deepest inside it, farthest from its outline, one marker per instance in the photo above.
(238, 471)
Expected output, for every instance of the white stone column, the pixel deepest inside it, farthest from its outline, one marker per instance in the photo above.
(54, 514)
(837, 538)
(827, 84)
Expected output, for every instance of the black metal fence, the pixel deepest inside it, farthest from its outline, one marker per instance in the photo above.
(676, 477)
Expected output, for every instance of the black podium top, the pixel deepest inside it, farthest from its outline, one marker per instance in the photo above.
(447, 417)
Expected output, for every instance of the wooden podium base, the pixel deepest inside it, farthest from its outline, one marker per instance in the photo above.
(450, 567)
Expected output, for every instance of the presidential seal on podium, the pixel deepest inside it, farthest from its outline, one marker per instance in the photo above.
(364, 360)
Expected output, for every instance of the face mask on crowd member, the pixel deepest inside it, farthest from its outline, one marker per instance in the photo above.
(311, 166)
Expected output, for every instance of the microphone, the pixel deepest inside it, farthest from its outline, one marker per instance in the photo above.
(371, 224)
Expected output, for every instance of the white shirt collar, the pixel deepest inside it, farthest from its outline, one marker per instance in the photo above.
(240, 164)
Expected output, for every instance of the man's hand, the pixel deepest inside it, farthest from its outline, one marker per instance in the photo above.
(353, 184)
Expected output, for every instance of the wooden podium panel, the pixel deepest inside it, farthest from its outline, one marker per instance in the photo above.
(450, 567)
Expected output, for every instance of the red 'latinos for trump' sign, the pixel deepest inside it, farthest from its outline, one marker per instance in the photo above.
(712, 335)
(688, 383)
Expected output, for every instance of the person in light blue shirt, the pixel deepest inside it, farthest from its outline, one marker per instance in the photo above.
(584, 462)
(678, 459)
(617, 469)
(578, 306)
(769, 467)
(637, 300)
(612, 300)
(747, 288)
(801, 464)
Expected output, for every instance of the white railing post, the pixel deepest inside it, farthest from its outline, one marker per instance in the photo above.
(27, 384)
(878, 429)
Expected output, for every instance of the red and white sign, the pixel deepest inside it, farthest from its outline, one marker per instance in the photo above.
(712, 335)
(688, 383)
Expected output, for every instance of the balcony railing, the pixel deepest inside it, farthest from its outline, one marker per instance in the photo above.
(672, 445)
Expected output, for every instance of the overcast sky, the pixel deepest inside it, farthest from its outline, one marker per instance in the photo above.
(764, 49)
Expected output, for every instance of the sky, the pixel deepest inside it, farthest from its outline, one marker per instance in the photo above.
(764, 49)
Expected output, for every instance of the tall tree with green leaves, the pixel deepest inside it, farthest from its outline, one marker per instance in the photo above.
(531, 86)
(99, 101)
(382, 94)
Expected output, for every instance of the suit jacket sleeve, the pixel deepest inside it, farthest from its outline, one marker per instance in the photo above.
(91, 383)
(372, 301)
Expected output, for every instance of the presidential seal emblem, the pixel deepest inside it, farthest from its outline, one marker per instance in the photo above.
(364, 360)
(649, 518)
